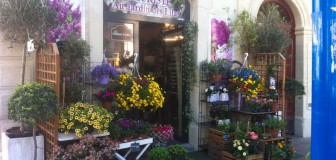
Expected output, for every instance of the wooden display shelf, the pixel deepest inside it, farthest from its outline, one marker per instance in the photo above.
(217, 144)
(228, 156)
(245, 116)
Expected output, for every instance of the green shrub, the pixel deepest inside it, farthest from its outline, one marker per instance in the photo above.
(159, 153)
(275, 123)
(177, 152)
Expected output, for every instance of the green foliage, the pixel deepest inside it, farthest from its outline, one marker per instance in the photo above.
(293, 88)
(115, 130)
(23, 19)
(177, 4)
(275, 123)
(245, 29)
(216, 66)
(177, 152)
(227, 128)
(189, 65)
(30, 102)
(159, 153)
(73, 53)
(273, 31)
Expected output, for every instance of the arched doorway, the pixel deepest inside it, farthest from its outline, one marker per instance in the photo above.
(288, 15)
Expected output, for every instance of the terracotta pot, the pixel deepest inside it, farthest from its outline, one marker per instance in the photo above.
(274, 107)
(107, 105)
(142, 136)
(273, 132)
(127, 139)
(216, 77)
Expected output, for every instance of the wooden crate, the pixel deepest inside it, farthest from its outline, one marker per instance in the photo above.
(217, 144)
(228, 156)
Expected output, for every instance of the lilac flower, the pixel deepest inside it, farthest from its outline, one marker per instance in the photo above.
(68, 20)
(104, 69)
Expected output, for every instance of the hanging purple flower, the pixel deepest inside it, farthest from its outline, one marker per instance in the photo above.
(220, 32)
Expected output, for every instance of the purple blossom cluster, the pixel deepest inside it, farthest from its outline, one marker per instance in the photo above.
(220, 32)
(104, 69)
(68, 20)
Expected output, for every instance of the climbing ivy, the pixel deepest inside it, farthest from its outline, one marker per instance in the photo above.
(189, 65)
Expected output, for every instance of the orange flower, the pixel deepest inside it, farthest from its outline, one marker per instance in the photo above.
(292, 149)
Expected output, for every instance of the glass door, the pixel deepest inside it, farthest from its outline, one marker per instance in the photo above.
(120, 42)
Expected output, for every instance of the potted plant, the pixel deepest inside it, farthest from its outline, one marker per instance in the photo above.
(159, 153)
(272, 30)
(142, 129)
(82, 118)
(178, 152)
(266, 136)
(102, 72)
(273, 125)
(216, 69)
(106, 96)
(127, 129)
(29, 103)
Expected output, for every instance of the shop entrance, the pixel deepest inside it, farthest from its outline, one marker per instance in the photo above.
(159, 50)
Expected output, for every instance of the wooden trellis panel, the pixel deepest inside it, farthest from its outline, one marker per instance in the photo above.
(48, 72)
(262, 61)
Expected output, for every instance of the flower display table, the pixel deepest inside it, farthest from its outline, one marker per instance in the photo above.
(147, 142)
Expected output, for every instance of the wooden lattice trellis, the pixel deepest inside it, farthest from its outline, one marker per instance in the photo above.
(48, 72)
(261, 62)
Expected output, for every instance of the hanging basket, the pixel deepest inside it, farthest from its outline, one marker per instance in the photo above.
(104, 79)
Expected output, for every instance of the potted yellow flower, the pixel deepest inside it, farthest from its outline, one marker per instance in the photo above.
(81, 117)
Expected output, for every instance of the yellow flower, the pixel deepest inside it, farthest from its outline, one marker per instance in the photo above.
(244, 154)
(240, 148)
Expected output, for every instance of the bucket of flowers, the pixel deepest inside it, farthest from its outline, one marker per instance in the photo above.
(106, 96)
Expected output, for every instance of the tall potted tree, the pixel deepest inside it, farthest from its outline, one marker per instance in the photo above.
(29, 103)
(21, 25)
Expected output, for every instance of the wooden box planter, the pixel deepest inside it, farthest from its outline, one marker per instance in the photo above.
(217, 143)
(228, 156)
(21, 148)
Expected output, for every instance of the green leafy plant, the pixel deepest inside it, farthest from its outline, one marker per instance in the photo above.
(159, 153)
(32, 102)
(115, 130)
(189, 66)
(280, 150)
(273, 30)
(293, 88)
(265, 135)
(177, 152)
(80, 117)
(246, 34)
(275, 123)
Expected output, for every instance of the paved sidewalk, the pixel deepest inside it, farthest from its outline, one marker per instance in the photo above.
(301, 145)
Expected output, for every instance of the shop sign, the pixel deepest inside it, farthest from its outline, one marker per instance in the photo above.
(121, 33)
(153, 8)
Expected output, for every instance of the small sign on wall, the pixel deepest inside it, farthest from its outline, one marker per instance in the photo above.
(121, 33)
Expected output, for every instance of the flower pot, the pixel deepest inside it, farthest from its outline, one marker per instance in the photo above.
(127, 139)
(213, 98)
(274, 107)
(21, 148)
(104, 79)
(216, 77)
(107, 104)
(142, 136)
(224, 97)
(273, 132)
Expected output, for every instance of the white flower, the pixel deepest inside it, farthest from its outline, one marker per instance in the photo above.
(225, 90)
(234, 145)
(206, 90)
(131, 65)
(246, 144)
(244, 154)
(240, 148)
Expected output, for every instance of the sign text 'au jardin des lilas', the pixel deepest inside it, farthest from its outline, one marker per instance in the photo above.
(153, 8)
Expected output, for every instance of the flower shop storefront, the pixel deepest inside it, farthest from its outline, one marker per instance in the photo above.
(145, 38)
